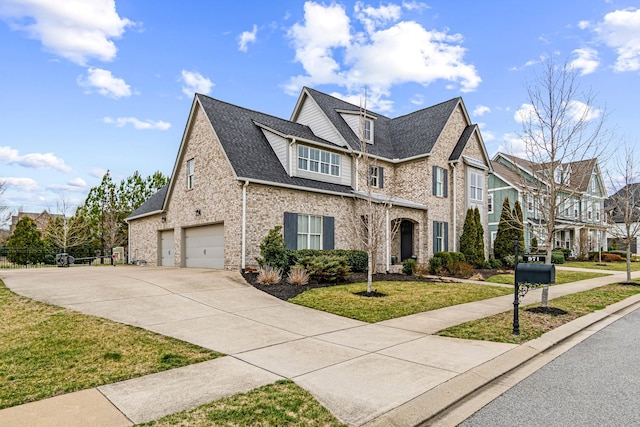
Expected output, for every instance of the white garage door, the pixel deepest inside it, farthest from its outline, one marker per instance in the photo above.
(204, 246)
(167, 249)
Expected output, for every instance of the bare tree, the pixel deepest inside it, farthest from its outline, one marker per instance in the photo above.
(5, 214)
(560, 127)
(623, 207)
(68, 230)
(371, 221)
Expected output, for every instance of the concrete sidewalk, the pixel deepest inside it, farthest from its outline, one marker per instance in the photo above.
(390, 373)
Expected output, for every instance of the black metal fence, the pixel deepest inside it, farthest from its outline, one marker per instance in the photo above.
(45, 257)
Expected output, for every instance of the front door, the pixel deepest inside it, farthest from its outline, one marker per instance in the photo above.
(406, 240)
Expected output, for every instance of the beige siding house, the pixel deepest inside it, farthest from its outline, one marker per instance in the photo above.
(239, 173)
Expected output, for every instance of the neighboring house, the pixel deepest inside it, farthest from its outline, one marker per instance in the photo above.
(238, 173)
(41, 219)
(626, 199)
(580, 223)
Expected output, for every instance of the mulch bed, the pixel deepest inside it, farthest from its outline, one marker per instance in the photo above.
(286, 291)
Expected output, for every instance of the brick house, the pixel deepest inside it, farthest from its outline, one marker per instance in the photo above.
(238, 173)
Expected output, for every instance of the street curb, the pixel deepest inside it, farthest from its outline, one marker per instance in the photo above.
(423, 409)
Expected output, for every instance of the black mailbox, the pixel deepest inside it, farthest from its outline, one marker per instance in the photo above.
(535, 273)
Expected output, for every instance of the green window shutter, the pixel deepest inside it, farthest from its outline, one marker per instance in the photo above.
(328, 233)
(291, 230)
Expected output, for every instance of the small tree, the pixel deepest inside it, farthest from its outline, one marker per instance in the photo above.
(518, 225)
(480, 257)
(469, 236)
(273, 251)
(534, 245)
(503, 245)
(25, 244)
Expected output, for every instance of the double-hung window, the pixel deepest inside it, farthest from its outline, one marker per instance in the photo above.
(376, 176)
(529, 203)
(439, 178)
(190, 173)
(309, 232)
(368, 131)
(440, 237)
(476, 186)
(320, 161)
(490, 203)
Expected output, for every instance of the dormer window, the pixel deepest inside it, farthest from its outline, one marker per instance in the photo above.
(320, 161)
(368, 131)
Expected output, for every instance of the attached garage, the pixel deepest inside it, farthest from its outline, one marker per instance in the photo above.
(167, 249)
(204, 246)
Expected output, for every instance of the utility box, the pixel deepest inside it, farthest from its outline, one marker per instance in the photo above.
(535, 273)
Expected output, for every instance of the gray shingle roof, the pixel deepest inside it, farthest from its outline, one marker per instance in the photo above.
(153, 204)
(402, 137)
(462, 142)
(247, 148)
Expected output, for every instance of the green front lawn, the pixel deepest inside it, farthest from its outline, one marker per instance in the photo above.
(402, 298)
(498, 328)
(562, 277)
(280, 404)
(47, 350)
(612, 266)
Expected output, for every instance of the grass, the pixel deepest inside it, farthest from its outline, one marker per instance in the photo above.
(402, 298)
(562, 277)
(611, 266)
(278, 404)
(498, 328)
(47, 350)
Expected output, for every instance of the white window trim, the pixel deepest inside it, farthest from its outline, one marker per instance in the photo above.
(490, 203)
(191, 168)
(475, 190)
(439, 237)
(308, 232)
(368, 139)
(439, 181)
(529, 203)
(320, 162)
(374, 176)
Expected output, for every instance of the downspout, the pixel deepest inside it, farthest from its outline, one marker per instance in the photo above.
(244, 225)
(387, 239)
(291, 155)
(455, 211)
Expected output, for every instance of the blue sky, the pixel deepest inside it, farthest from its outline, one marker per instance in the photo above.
(91, 85)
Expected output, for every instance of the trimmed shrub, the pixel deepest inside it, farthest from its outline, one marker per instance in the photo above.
(274, 252)
(356, 260)
(268, 275)
(495, 263)
(557, 257)
(435, 265)
(325, 268)
(447, 260)
(623, 254)
(409, 266)
(486, 265)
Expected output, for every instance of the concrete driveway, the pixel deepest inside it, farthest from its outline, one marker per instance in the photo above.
(357, 370)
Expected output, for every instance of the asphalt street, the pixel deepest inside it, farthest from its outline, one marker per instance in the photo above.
(596, 383)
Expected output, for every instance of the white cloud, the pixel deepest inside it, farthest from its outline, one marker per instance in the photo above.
(586, 61)
(137, 123)
(105, 83)
(23, 184)
(620, 30)
(373, 18)
(584, 25)
(524, 114)
(514, 145)
(579, 111)
(77, 30)
(417, 99)
(76, 185)
(12, 156)
(480, 110)
(195, 82)
(97, 172)
(247, 37)
(386, 53)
